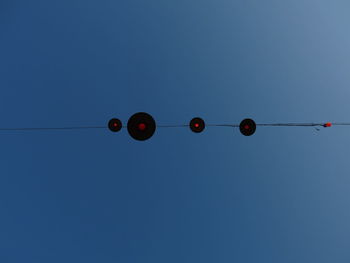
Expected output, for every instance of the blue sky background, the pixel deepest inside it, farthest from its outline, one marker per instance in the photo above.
(281, 195)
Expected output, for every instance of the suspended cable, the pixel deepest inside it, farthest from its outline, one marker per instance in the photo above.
(141, 126)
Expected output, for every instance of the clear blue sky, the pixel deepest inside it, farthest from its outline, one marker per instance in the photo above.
(281, 195)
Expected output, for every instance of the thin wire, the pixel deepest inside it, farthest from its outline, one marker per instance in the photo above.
(287, 124)
(291, 124)
(272, 124)
(52, 128)
(175, 126)
(222, 125)
(172, 126)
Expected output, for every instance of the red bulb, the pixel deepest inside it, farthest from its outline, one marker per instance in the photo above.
(246, 127)
(115, 124)
(196, 125)
(328, 124)
(142, 126)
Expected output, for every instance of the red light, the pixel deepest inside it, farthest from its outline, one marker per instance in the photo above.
(115, 125)
(246, 127)
(197, 125)
(328, 124)
(142, 126)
